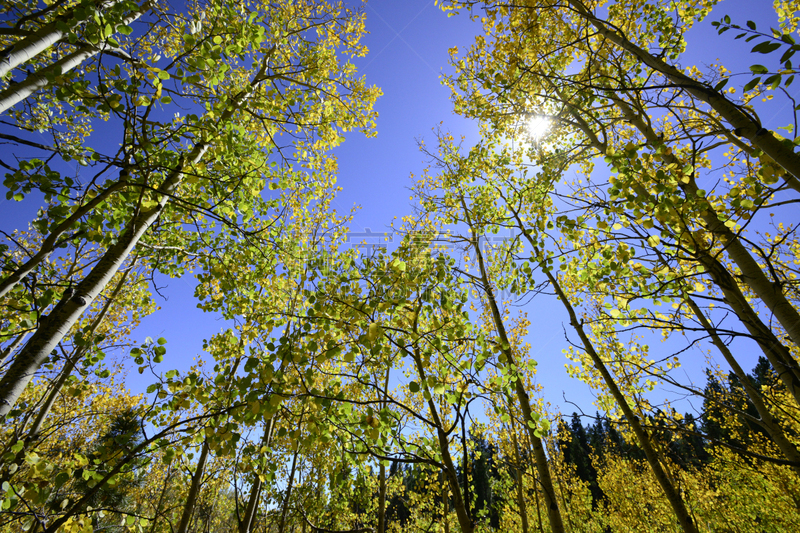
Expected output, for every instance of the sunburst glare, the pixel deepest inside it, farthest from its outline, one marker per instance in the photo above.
(538, 127)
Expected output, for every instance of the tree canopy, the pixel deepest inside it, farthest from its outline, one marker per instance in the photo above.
(650, 201)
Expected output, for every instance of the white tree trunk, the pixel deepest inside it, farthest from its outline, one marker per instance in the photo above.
(33, 45)
(17, 92)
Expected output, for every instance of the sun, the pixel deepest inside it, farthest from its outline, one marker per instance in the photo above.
(538, 126)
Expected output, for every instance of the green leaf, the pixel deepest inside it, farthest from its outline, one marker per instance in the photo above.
(124, 29)
(61, 478)
(773, 81)
(758, 69)
(765, 47)
(413, 386)
(751, 84)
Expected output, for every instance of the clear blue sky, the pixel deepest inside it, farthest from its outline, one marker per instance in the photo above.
(408, 43)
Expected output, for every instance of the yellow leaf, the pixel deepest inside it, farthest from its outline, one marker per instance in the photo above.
(374, 331)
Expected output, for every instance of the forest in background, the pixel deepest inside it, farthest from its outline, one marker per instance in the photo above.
(395, 390)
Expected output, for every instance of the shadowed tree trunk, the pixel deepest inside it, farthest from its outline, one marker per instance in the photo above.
(194, 490)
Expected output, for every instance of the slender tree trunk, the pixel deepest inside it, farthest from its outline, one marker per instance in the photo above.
(45, 37)
(744, 124)
(676, 502)
(11, 348)
(52, 240)
(536, 500)
(551, 503)
(445, 504)
(194, 490)
(382, 471)
(60, 321)
(465, 468)
(17, 92)
(58, 324)
(285, 509)
(33, 433)
(381, 499)
(248, 520)
(769, 292)
(523, 510)
(778, 355)
(538, 510)
(160, 504)
(444, 447)
(769, 422)
(458, 502)
(36, 81)
(678, 506)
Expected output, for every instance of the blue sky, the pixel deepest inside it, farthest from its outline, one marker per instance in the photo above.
(408, 42)
(408, 51)
(408, 45)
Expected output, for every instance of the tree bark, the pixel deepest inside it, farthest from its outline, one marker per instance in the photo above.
(545, 478)
(382, 471)
(744, 125)
(445, 505)
(194, 490)
(11, 348)
(58, 324)
(17, 92)
(45, 37)
(51, 241)
(381, 498)
(60, 321)
(246, 524)
(777, 354)
(285, 508)
(678, 506)
(538, 509)
(769, 292)
(771, 425)
(33, 433)
(676, 502)
(444, 448)
(523, 510)
(160, 504)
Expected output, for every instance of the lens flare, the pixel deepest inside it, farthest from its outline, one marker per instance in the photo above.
(538, 126)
